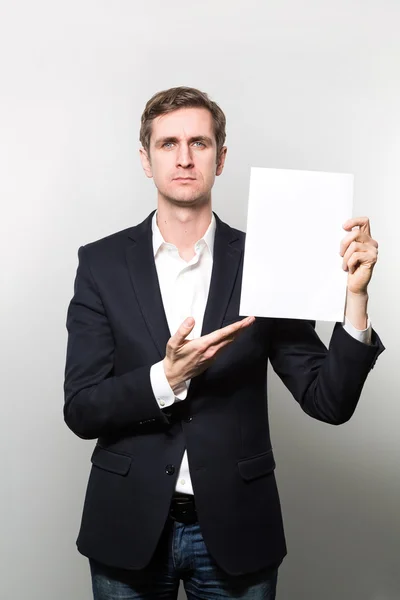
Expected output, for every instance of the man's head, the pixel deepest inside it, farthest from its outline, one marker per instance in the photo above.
(183, 134)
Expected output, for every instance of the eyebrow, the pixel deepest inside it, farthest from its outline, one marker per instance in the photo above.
(172, 139)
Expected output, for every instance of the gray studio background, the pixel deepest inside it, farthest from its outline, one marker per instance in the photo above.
(305, 85)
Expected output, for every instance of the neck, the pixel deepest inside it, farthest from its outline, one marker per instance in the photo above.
(183, 226)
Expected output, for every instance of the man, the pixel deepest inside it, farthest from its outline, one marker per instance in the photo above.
(163, 372)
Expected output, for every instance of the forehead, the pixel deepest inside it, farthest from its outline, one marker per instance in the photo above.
(183, 123)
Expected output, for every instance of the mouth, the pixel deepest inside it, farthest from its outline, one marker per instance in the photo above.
(184, 179)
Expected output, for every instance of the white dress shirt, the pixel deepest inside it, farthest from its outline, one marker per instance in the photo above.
(184, 290)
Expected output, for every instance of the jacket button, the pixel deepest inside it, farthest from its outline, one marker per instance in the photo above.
(188, 419)
(170, 469)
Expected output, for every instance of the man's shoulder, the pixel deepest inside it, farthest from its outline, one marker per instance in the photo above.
(119, 238)
(109, 240)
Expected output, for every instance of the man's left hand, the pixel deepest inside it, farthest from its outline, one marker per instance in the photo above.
(360, 253)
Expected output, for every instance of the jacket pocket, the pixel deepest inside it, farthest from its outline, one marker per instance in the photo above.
(256, 466)
(111, 461)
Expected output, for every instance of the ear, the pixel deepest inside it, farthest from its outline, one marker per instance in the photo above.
(221, 160)
(146, 164)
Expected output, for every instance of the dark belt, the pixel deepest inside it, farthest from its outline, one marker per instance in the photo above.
(183, 508)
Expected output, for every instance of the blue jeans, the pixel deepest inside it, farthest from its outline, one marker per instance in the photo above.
(180, 555)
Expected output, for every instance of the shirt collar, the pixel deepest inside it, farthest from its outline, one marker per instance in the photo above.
(208, 237)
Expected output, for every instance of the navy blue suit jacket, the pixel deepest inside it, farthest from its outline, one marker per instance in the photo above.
(117, 330)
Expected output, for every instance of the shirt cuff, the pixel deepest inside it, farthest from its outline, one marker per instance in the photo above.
(362, 335)
(162, 391)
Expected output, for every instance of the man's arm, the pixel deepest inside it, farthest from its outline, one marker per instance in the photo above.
(98, 403)
(327, 384)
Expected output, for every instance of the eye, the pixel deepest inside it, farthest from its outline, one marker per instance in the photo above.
(167, 145)
(199, 144)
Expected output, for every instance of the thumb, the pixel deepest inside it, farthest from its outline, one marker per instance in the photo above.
(184, 330)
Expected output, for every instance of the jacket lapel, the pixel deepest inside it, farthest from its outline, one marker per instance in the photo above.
(226, 260)
(143, 274)
(227, 255)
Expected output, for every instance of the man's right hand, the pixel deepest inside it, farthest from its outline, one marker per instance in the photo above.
(185, 359)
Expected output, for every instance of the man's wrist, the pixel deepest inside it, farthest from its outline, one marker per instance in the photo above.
(174, 383)
(356, 309)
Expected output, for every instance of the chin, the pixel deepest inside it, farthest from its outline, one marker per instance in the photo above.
(187, 199)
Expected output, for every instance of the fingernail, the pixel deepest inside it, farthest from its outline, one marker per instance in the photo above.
(188, 322)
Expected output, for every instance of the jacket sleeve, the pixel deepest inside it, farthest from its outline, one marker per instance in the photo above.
(327, 383)
(98, 403)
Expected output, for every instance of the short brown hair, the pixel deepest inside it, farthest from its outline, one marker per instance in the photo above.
(180, 97)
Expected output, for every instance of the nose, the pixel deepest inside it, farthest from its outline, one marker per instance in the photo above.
(184, 157)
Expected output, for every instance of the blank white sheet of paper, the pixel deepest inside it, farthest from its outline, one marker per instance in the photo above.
(292, 266)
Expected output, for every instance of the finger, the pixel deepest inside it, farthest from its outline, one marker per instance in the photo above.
(367, 258)
(355, 260)
(228, 339)
(217, 336)
(214, 349)
(357, 236)
(361, 222)
(354, 247)
(184, 329)
(347, 241)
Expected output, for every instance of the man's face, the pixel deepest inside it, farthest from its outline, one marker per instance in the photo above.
(183, 156)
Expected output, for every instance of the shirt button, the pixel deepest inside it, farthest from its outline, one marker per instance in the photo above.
(162, 403)
(183, 481)
(170, 469)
